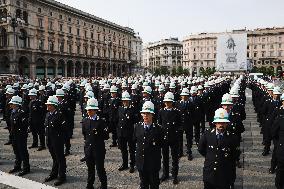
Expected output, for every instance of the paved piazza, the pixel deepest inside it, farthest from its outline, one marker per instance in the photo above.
(254, 174)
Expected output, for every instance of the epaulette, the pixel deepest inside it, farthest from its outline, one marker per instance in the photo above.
(213, 130)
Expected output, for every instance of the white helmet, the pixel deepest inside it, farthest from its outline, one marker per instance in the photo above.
(49, 84)
(113, 89)
(282, 97)
(193, 89)
(52, 100)
(16, 100)
(25, 87)
(184, 92)
(16, 85)
(10, 91)
(134, 87)
(66, 87)
(270, 86)
(89, 94)
(277, 91)
(147, 89)
(148, 107)
(125, 96)
(106, 87)
(169, 97)
(8, 86)
(92, 104)
(124, 85)
(60, 92)
(30, 85)
(234, 92)
(89, 88)
(200, 87)
(41, 88)
(172, 86)
(161, 88)
(227, 99)
(33, 92)
(221, 116)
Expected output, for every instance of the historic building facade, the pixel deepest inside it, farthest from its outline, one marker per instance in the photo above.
(53, 39)
(265, 48)
(164, 53)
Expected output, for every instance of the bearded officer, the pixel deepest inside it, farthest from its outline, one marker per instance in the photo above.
(219, 147)
(95, 133)
(55, 136)
(149, 139)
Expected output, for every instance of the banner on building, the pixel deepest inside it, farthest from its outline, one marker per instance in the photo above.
(231, 52)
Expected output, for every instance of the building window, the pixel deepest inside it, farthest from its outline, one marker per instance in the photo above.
(86, 50)
(263, 46)
(78, 49)
(61, 46)
(78, 22)
(69, 19)
(39, 10)
(280, 46)
(23, 38)
(85, 34)
(60, 16)
(25, 17)
(41, 44)
(78, 31)
(255, 47)
(70, 49)
(50, 26)
(40, 22)
(70, 29)
(280, 53)
(61, 27)
(255, 54)
(51, 14)
(271, 46)
(51, 46)
(92, 35)
(3, 38)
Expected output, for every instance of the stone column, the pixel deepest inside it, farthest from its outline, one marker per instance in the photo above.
(45, 70)
(74, 70)
(56, 69)
(32, 70)
(82, 68)
(65, 69)
(89, 68)
(95, 70)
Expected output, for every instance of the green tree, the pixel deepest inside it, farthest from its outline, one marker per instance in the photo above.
(174, 71)
(179, 70)
(186, 72)
(202, 71)
(164, 70)
(157, 71)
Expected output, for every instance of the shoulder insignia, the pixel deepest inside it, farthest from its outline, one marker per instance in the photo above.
(213, 130)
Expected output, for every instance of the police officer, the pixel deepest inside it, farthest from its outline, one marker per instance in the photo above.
(218, 146)
(95, 133)
(55, 138)
(7, 112)
(186, 109)
(149, 139)
(114, 103)
(64, 108)
(19, 133)
(36, 120)
(125, 127)
(278, 138)
(169, 119)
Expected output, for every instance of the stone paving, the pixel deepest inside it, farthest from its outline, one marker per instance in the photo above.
(253, 175)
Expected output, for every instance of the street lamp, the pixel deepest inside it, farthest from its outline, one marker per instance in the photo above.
(109, 43)
(14, 22)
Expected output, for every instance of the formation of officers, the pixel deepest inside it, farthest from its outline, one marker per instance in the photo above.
(146, 117)
(268, 102)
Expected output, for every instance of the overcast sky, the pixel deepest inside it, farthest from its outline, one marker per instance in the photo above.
(157, 19)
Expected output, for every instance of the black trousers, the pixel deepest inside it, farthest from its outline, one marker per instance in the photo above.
(38, 133)
(174, 145)
(273, 158)
(189, 138)
(196, 131)
(19, 144)
(279, 179)
(211, 186)
(112, 129)
(56, 150)
(9, 129)
(149, 179)
(123, 142)
(96, 162)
